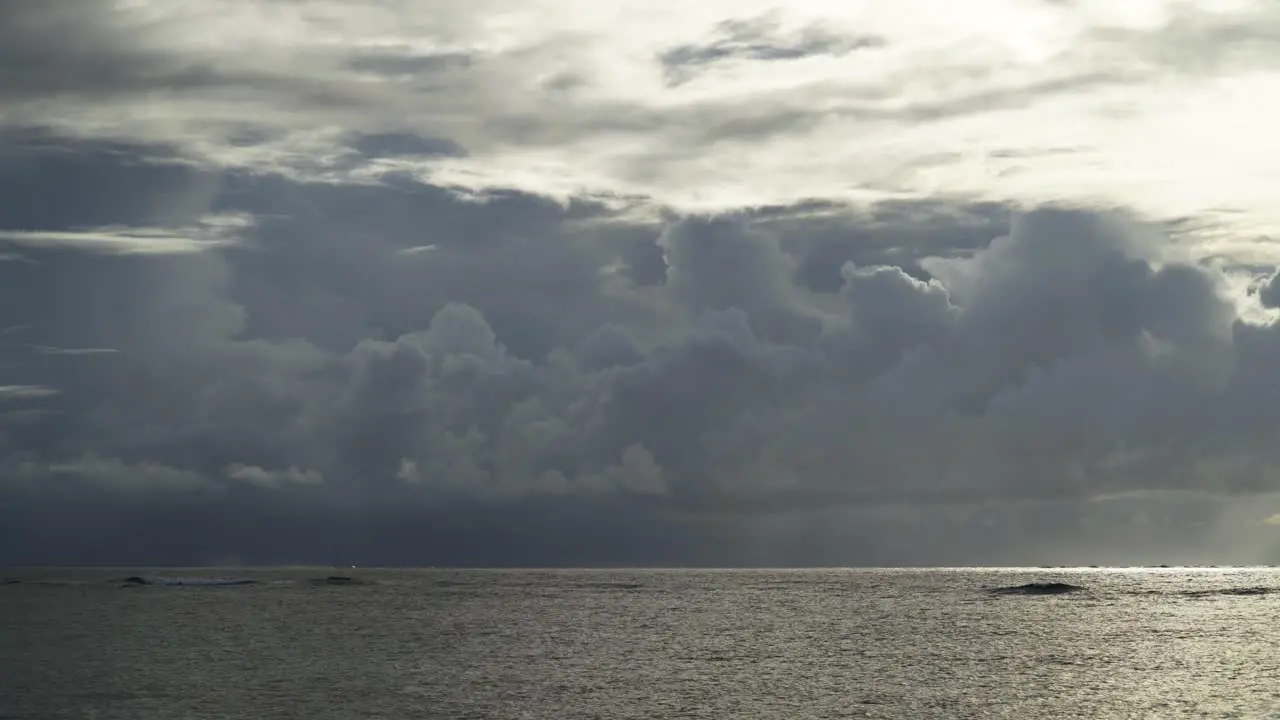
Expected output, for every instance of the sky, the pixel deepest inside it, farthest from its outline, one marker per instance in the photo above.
(610, 282)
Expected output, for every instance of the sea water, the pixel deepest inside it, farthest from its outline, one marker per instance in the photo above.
(793, 644)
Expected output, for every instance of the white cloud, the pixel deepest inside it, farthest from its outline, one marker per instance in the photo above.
(211, 232)
(51, 350)
(116, 475)
(263, 477)
(1158, 105)
(25, 392)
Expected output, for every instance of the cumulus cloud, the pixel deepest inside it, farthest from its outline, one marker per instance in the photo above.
(435, 293)
(272, 478)
(1063, 362)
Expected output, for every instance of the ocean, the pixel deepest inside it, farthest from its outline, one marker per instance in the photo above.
(613, 644)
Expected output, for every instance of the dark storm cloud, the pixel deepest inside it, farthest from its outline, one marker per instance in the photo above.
(54, 183)
(760, 38)
(200, 363)
(314, 265)
(893, 232)
(535, 389)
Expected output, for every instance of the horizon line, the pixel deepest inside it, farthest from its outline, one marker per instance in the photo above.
(618, 568)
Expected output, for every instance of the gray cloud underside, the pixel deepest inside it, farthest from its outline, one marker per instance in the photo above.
(547, 364)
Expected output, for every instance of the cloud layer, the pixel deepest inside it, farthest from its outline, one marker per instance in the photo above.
(353, 291)
(1158, 106)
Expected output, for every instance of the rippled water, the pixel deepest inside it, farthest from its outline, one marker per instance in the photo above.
(643, 644)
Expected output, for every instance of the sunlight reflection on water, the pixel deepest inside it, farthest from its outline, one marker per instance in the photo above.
(647, 643)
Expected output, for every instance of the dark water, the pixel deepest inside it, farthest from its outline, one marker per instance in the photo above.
(789, 644)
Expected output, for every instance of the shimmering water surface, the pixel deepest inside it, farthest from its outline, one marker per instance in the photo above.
(788, 644)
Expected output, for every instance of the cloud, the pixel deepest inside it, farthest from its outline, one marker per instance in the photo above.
(116, 240)
(116, 475)
(263, 477)
(22, 392)
(478, 284)
(1062, 362)
(1269, 292)
(47, 350)
(1011, 102)
(756, 39)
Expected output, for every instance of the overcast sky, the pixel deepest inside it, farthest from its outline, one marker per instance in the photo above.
(634, 282)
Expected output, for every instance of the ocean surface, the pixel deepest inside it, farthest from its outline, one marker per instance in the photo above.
(793, 644)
